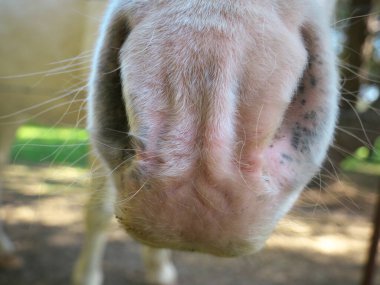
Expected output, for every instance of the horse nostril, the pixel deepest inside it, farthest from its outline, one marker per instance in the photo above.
(138, 144)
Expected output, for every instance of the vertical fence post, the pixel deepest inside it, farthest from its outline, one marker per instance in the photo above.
(370, 267)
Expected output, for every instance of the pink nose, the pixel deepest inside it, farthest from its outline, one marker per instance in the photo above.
(226, 218)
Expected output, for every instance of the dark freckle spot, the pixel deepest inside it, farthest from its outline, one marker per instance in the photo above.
(313, 81)
(301, 138)
(282, 162)
(271, 146)
(304, 149)
(296, 139)
(303, 102)
(308, 132)
(301, 88)
(312, 115)
(278, 137)
(286, 157)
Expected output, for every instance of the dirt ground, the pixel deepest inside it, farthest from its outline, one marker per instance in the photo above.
(322, 241)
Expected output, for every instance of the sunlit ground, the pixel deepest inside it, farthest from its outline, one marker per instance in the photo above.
(322, 241)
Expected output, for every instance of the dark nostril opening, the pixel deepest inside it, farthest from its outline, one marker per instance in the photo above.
(138, 144)
(128, 152)
(133, 147)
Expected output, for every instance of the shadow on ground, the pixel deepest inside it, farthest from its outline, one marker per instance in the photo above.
(323, 241)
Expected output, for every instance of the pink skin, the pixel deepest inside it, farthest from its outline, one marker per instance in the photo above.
(230, 109)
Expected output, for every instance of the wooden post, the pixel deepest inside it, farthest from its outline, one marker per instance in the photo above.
(369, 270)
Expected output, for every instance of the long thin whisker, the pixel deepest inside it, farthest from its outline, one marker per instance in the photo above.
(46, 102)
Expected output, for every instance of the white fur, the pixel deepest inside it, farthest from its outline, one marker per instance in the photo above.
(276, 63)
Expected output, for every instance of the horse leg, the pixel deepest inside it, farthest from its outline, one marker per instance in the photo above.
(158, 267)
(98, 214)
(8, 258)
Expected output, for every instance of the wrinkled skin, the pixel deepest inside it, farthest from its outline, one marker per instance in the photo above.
(211, 116)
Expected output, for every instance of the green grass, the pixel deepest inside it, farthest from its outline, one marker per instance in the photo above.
(364, 160)
(67, 146)
(60, 146)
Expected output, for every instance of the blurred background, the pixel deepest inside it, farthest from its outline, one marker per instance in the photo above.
(45, 52)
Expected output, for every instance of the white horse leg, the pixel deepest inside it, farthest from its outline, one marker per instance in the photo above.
(8, 259)
(99, 211)
(158, 266)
